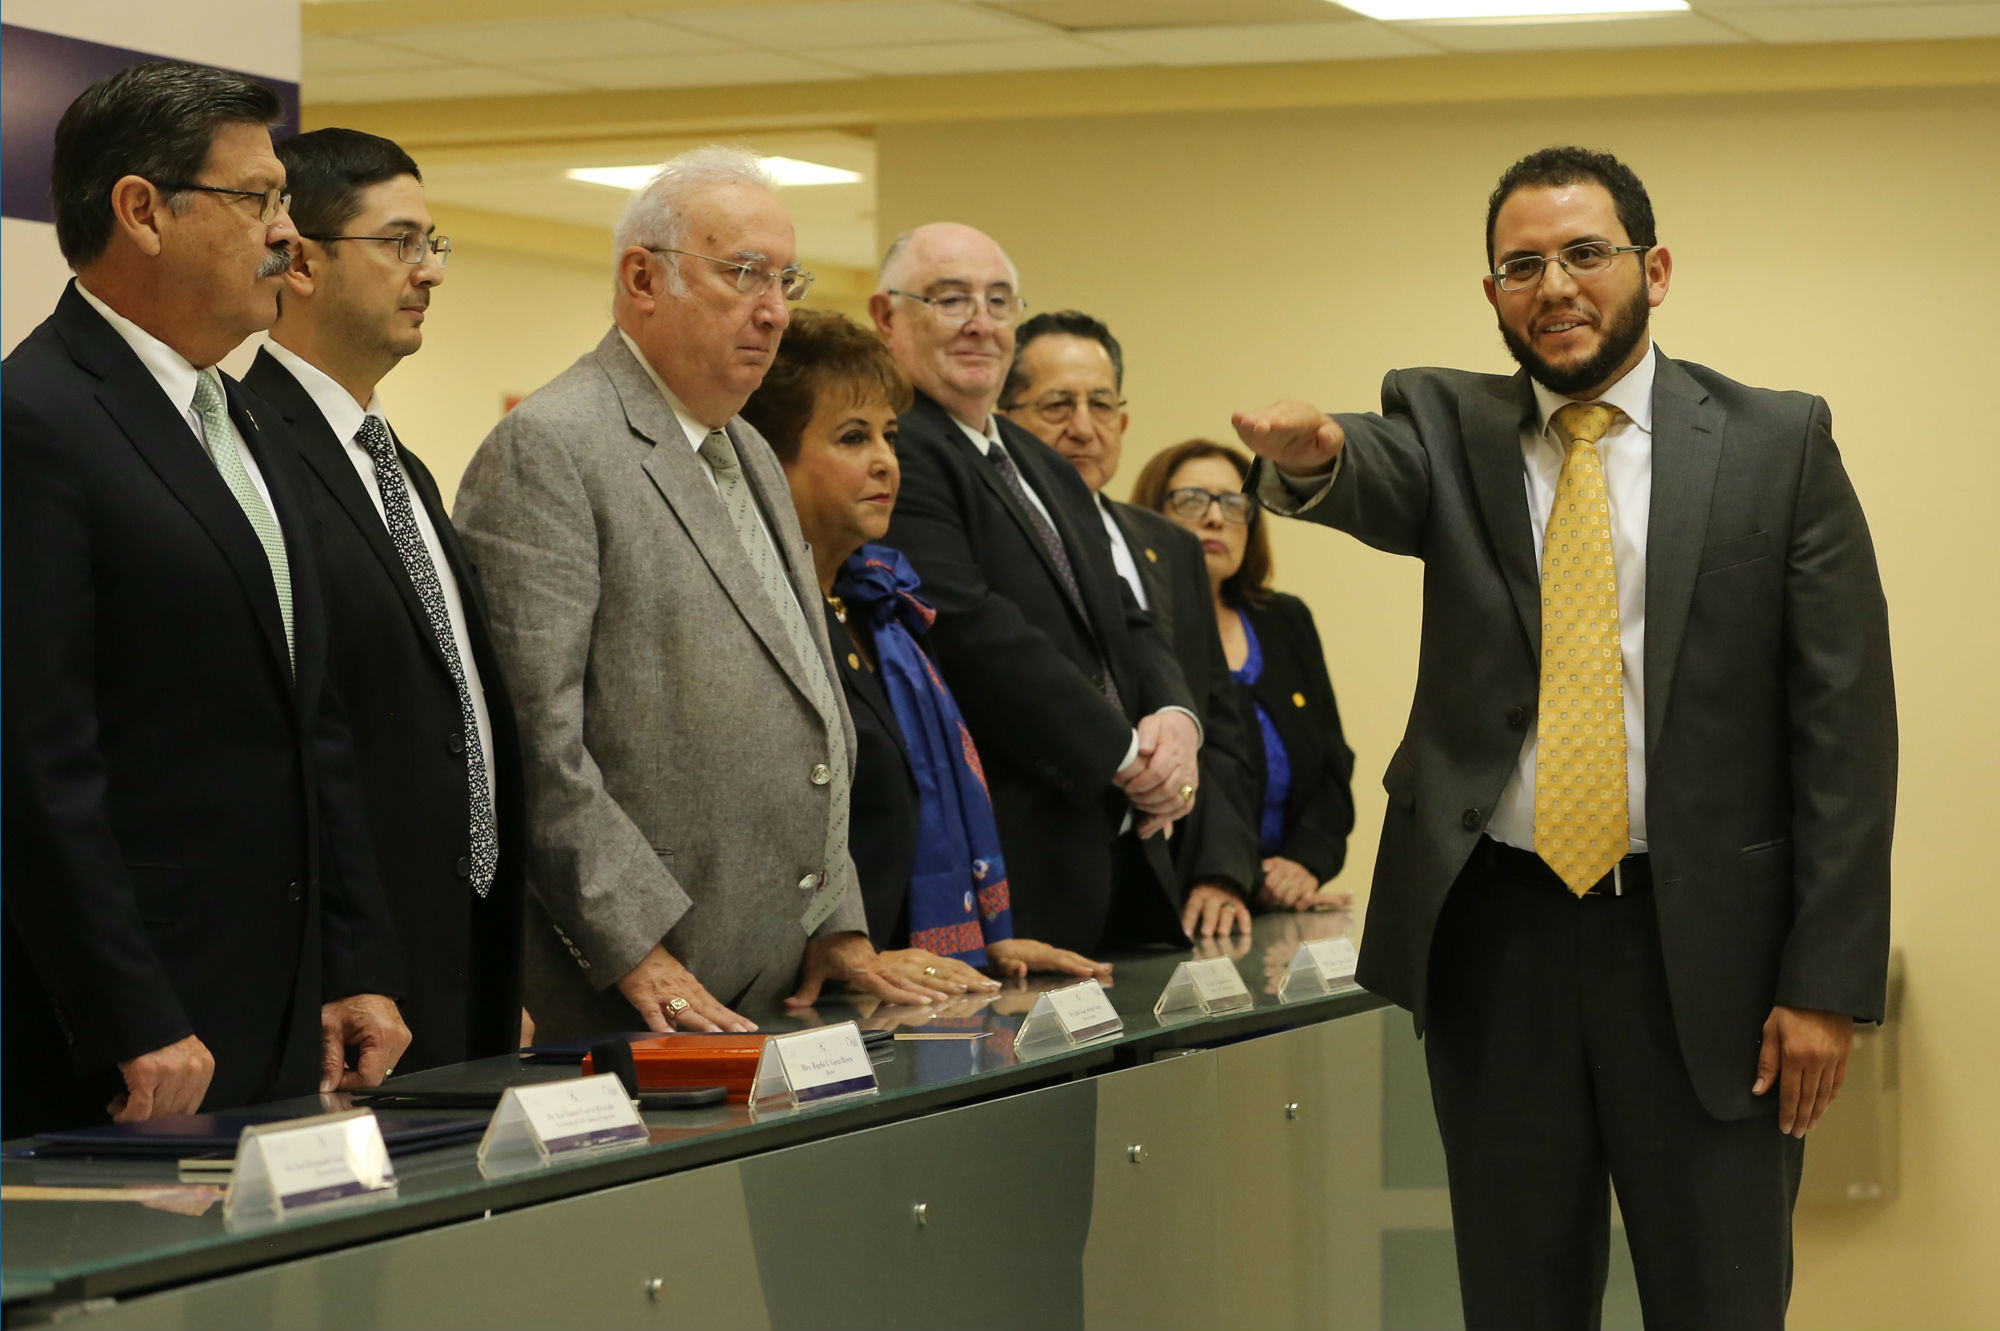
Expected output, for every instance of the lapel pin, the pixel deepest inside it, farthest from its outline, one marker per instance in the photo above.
(1151, 558)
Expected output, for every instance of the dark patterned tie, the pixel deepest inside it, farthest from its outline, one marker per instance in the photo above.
(409, 539)
(1045, 532)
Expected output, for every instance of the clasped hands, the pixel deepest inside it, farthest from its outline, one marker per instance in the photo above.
(1165, 768)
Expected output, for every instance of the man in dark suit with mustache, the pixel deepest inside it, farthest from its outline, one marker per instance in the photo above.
(193, 917)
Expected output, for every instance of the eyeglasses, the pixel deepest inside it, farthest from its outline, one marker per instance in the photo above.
(1592, 256)
(751, 280)
(411, 246)
(1057, 408)
(959, 307)
(1191, 502)
(273, 200)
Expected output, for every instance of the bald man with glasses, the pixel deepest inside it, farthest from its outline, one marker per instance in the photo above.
(1082, 716)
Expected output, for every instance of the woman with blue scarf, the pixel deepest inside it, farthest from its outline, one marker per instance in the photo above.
(933, 874)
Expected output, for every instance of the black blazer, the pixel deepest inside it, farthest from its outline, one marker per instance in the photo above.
(461, 953)
(1023, 664)
(185, 851)
(1219, 839)
(1297, 693)
(884, 802)
(1770, 698)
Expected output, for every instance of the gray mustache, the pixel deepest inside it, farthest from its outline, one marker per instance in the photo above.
(279, 260)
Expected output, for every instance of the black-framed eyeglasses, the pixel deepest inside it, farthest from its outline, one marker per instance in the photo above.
(1059, 408)
(753, 280)
(1191, 502)
(273, 201)
(1592, 256)
(411, 246)
(959, 307)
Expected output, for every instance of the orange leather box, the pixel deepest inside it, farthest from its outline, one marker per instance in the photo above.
(672, 1062)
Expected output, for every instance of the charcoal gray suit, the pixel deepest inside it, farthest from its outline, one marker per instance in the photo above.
(670, 742)
(1770, 734)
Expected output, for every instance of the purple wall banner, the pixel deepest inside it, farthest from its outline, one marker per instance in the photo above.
(41, 73)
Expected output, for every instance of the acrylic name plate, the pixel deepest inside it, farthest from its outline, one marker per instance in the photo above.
(307, 1165)
(814, 1066)
(1207, 986)
(1320, 966)
(1070, 1016)
(535, 1126)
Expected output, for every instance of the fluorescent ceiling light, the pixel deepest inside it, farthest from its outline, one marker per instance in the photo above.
(785, 170)
(1461, 11)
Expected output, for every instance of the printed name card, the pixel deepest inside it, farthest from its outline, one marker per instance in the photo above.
(1320, 966)
(284, 1169)
(814, 1066)
(1208, 986)
(535, 1126)
(1074, 1015)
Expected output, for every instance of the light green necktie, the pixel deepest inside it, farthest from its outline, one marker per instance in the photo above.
(720, 454)
(221, 443)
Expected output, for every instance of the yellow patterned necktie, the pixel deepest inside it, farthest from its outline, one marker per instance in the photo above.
(1581, 828)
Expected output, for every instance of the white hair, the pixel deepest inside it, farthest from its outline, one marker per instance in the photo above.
(656, 215)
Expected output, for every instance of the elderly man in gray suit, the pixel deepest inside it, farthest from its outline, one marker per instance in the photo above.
(1634, 876)
(685, 741)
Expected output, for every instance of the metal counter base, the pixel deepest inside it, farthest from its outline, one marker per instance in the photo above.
(1221, 1173)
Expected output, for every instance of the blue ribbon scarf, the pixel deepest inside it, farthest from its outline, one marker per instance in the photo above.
(958, 885)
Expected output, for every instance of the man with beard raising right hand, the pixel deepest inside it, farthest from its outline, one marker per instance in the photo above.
(1634, 876)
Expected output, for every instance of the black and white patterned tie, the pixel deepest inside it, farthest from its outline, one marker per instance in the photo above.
(1045, 532)
(409, 540)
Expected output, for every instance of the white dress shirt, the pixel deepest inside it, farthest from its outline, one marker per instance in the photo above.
(1627, 453)
(696, 432)
(1121, 554)
(176, 378)
(345, 416)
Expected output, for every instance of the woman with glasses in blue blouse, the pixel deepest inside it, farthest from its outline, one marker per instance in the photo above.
(1301, 768)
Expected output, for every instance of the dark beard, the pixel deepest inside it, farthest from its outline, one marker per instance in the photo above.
(1621, 334)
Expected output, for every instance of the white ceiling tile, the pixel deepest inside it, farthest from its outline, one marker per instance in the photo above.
(975, 57)
(329, 53)
(581, 37)
(1651, 30)
(850, 23)
(1256, 43)
(444, 82)
(1868, 23)
(695, 71)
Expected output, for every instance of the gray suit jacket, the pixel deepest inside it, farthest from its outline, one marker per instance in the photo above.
(1770, 708)
(668, 736)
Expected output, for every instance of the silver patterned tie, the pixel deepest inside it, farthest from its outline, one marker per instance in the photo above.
(220, 441)
(720, 454)
(416, 556)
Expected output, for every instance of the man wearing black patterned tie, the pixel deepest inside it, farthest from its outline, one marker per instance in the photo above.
(410, 652)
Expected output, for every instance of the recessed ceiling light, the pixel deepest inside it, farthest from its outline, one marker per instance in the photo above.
(1478, 11)
(785, 170)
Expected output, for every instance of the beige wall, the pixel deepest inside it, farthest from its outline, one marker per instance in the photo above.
(1839, 243)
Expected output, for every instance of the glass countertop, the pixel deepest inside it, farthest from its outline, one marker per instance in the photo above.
(80, 1229)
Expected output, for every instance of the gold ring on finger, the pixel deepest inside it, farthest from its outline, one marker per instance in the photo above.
(1187, 794)
(676, 1006)
(930, 970)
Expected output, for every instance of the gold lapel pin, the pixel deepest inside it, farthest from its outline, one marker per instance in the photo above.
(1151, 558)
(1298, 700)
